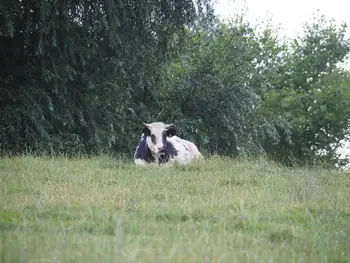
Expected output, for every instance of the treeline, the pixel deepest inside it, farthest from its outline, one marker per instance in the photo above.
(81, 76)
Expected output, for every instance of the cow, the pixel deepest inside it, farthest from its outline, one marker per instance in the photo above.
(160, 145)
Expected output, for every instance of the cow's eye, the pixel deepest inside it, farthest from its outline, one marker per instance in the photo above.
(153, 137)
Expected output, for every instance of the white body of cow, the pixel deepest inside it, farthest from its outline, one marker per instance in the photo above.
(187, 152)
(175, 150)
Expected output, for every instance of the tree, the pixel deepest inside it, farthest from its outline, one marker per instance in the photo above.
(214, 86)
(74, 71)
(311, 93)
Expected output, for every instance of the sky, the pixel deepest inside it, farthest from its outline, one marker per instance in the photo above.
(290, 14)
(290, 17)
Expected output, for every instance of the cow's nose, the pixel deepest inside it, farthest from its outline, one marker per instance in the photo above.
(161, 149)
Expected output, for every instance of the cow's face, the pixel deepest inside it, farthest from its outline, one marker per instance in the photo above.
(156, 133)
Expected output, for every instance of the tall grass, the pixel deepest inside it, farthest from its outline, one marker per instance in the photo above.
(106, 210)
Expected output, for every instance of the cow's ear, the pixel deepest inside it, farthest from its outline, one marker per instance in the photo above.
(146, 129)
(171, 130)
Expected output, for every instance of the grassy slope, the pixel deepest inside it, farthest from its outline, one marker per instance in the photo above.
(101, 210)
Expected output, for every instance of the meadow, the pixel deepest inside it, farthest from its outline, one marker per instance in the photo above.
(106, 210)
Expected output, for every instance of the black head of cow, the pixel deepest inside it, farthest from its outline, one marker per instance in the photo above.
(156, 133)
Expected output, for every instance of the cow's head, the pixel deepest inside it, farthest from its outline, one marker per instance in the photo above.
(156, 133)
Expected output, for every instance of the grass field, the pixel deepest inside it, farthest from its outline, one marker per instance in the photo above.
(104, 210)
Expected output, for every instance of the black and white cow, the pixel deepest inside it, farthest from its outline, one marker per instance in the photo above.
(160, 145)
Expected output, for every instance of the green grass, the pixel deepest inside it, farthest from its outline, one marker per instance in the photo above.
(104, 210)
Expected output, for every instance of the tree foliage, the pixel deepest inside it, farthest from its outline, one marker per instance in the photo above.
(312, 93)
(72, 69)
(215, 84)
(81, 76)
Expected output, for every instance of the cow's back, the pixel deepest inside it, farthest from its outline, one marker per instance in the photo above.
(187, 151)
